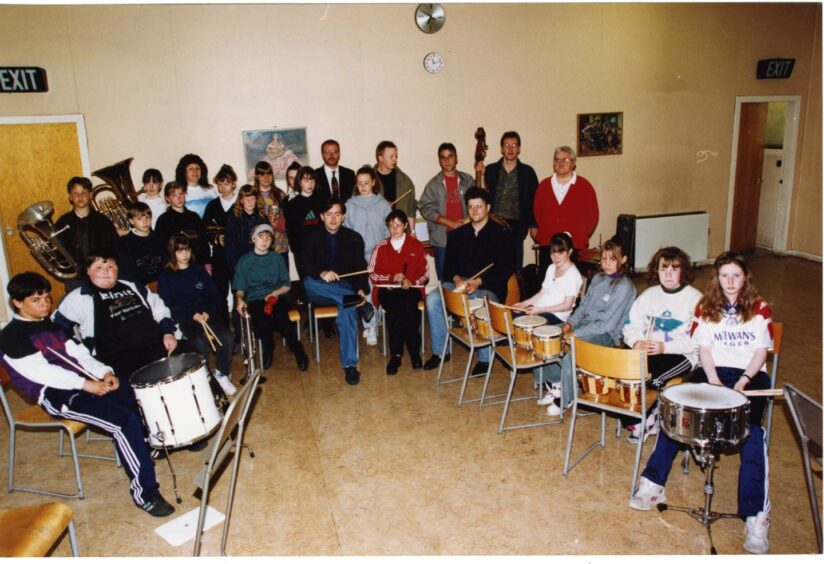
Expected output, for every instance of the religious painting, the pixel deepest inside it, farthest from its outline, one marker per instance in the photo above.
(278, 147)
(600, 134)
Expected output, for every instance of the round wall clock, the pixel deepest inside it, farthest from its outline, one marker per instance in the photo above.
(429, 17)
(433, 63)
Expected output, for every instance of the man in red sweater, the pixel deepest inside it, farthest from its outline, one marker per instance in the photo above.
(565, 202)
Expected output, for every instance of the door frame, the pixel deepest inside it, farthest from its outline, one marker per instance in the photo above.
(85, 161)
(791, 124)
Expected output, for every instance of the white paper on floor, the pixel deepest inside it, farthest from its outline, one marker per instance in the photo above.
(184, 528)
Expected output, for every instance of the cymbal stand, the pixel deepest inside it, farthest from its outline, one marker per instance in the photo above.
(707, 458)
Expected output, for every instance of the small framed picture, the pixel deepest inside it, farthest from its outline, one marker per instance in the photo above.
(278, 147)
(600, 134)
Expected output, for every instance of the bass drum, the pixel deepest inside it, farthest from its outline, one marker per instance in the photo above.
(176, 400)
(698, 414)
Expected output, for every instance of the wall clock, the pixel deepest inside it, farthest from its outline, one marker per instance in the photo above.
(429, 17)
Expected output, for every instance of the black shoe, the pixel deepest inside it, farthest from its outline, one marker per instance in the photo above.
(366, 312)
(434, 361)
(197, 446)
(479, 369)
(301, 359)
(352, 375)
(394, 363)
(417, 362)
(158, 507)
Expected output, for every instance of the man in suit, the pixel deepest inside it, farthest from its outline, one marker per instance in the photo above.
(333, 180)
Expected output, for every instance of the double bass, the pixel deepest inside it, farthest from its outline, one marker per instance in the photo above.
(480, 154)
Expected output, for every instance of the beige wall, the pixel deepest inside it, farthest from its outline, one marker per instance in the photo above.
(155, 82)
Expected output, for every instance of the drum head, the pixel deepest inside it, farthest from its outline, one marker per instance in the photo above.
(705, 396)
(547, 331)
(165, 370)
(481, 314)
(529, 321)
(475, 303)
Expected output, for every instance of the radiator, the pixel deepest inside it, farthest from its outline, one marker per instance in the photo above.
(644, 234)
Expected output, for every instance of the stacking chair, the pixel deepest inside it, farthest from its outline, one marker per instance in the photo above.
(33, 418)
(611, 364)
(32, 531)
(517, 359)
(806, 414)
(457, 304)
(321, 312)
(221, 445)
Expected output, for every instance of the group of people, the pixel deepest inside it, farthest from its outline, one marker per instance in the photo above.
(353, 240)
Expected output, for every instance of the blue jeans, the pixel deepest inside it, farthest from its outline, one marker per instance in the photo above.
(437, 326)
(564, 372)
(323, 293)
(752, 473)
(440, 255)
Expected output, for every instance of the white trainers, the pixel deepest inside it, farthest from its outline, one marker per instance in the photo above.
(648, 495)
(757, 528)
(547, 399)
(225, 383)
(555, 390)
(651, 425)
(554, 409)
(371, 336)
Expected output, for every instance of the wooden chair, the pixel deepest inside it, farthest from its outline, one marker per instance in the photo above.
(517, 359)
(611, 364)
(320, 312)
(33, 418)
(32, 531)
(457, 304)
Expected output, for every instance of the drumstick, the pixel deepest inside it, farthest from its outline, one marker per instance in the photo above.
(650, 327)
(400, 198)
(72, 364)
(398, 286)
(367, 271)
(211, 331)
(208, 336)
(462, 286)
(764, 393)
(513, 308)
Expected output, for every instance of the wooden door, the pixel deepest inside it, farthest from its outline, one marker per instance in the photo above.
(37, 161)
(752, 134)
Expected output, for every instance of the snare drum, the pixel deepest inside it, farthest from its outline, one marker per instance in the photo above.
(176, 400)
(546, 340)
(524, 326)
(475, 304)
(697, 414)
(593, 384)
(482, 326)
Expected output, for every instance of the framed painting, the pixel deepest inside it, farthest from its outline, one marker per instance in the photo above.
(600, 134)
(278, 147)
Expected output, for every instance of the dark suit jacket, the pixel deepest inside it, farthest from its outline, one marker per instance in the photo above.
(527, 184)
(346, 181)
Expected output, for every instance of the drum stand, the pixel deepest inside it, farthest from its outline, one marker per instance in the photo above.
(707, 459)
(163, 449)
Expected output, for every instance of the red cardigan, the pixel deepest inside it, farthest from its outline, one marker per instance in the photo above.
(578, 214)
(386, 263)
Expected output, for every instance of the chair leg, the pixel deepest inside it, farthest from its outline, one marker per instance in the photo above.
(808, 474)
(11, 459)
(443, 356)
(638, 449)
(73, 539)
(570, 437)
(317, 339)
(76, 461)
(513, 375)
(423, 332)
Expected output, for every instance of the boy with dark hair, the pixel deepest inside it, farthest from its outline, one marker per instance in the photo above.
(178, 218)
(142, 244)
(41, 363)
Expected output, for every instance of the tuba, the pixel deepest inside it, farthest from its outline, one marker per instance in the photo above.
(39, 233)
(117, 190)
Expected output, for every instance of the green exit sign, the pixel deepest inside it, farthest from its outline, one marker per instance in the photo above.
(774, 68)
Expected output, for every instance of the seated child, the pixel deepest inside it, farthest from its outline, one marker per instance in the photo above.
(34, 353)
(598, 319)
(191, 295)
(261, 284)
(142, 245)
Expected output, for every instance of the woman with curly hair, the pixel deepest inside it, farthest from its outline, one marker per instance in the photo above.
(193, 173)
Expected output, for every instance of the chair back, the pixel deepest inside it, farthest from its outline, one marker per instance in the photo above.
(624, 364)
(456, 303)
(500, 319)
(778, 331)
(513, 290)
(5, 379)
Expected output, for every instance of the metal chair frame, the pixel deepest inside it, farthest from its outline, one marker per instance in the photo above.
(323, 312)
(515, 358)
(422, 309)
(611, 363)
(458, 304)
(806, 415)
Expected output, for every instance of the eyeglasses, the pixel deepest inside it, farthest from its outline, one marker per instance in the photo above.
(565, 160)
(510, 145)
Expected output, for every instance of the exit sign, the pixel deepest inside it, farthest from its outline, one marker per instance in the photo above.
(23, 79)
(775, 68)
